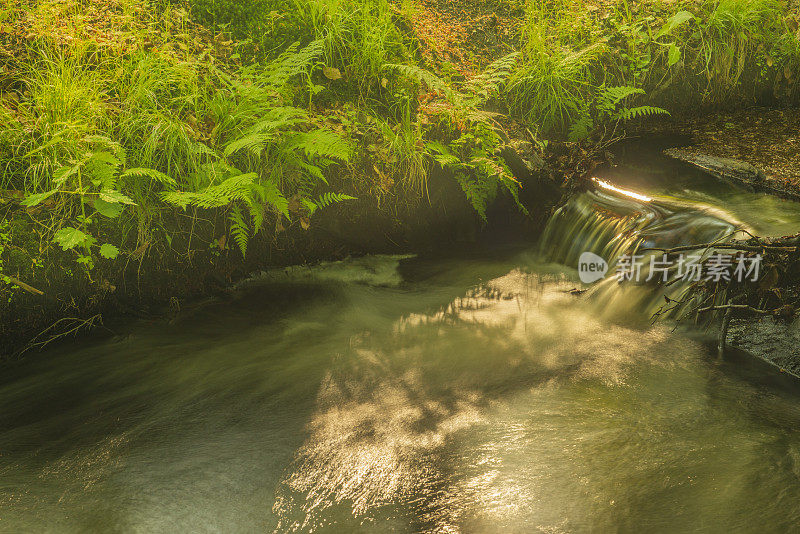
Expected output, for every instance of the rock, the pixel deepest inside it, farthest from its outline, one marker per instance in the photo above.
(772, 341)
(731, 170)
(522, 159)
(723, 168)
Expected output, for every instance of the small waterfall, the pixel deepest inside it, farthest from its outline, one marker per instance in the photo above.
(612, 222)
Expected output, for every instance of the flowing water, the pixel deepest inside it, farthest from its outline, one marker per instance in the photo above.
(472, 393)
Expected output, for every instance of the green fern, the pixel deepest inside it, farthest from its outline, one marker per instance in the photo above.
(608, 106)
(581, 128)
(429, 79)
(153, 174)
(480, 173)
(488, 83)
(264, 194)
(216, 196)
(325, 200)
(239, 230)
(253, 143)
(330, 198)
(614, 95)
(293, 62)
(320, 143)
(641, 111)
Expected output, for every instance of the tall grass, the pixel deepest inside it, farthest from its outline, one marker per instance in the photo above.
(359, 35)
(737, 35)
(63, 106)
(162, 114)
(682, 54)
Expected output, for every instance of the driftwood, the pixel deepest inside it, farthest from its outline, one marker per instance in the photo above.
(776, 294)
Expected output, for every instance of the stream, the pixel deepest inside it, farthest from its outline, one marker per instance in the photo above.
(463, 393)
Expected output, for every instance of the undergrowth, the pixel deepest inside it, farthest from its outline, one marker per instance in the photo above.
(674, 55)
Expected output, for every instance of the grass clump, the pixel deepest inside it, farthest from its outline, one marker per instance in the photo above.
(675, 55)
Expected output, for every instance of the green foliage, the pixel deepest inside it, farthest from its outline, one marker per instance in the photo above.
(359, 37)
(403, 143)
(427, 78)
(136, 145)
(474, 93)
(83, 192)
(550, 87)
(239, 228)
(62, 108)
(489, 83)
(263, 25)
(130, 139)
(325, 200)
(475, 162)
(472, 150)
(682, 54)
(265, 148)
(609, 107)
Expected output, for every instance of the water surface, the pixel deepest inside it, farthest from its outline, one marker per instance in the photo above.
(472, 394)
(388, 395)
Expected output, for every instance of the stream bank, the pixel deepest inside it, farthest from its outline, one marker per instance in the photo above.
(56, 303)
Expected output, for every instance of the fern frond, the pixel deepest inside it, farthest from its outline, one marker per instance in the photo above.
(215, 196)
(239, 230)
(443, 155)
(109, 144)
(153, 174)
(253, 143)
(328, 199)
(278, 118)
(641, 111)
(582, 128)
(320, 143)
(102, 167)
(267, 192)
(488, 83)
(201, 148)
(293, 62)
(420, 75)
(614, 95)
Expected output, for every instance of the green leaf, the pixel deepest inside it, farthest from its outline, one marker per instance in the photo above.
(68, 238)
(104, 157)
(35, 200)
(332, 73)
(674, 21)
(674, 54)
(108, 209)
(109, 195)
(62, 173)
(239, 229)
(109, 251)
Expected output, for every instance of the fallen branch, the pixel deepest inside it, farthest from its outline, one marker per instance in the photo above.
(746, 307)
(23, 285)
(727, 246)
(74, 326)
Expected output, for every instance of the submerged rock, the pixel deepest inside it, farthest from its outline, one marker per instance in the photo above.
(775, 342)
(740, 173)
